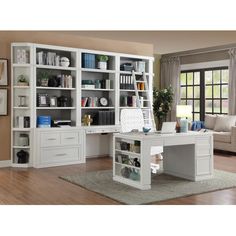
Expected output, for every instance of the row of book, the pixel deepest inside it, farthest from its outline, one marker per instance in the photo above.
(88, 60)
(106, 117)
(89, 101)
(131, 101)
(126, 82)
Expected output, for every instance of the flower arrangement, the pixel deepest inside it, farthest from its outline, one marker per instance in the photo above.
(162, 100)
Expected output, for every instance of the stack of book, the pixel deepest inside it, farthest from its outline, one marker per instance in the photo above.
(88, 60)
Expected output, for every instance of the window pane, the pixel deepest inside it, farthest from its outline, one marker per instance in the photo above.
(208, 106)
(208, 92)
(208, 77)
(196, 77)
(183, 92)
(197, 106)
(190, 102)
(196, 116)
(225, 76)
(217, 106)
(182, 102)
(196, 91)
(190, 78)
(183, 79)
(216, 76)
(225, 91)
(224, 106)
(216, 91)
(190, 92)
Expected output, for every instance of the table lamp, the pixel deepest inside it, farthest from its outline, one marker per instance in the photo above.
(184, 112)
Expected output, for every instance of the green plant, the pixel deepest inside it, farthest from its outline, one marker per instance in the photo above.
(103, 58)
(22, 79)
(162, 100)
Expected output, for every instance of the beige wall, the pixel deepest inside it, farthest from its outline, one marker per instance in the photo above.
(205, 57)
(62, 38)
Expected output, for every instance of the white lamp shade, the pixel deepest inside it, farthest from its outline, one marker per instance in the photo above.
(184, 111)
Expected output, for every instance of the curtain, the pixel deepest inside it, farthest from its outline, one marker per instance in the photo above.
(170, 73)
(232, 81)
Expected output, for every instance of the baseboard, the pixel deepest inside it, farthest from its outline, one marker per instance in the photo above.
(6, 163)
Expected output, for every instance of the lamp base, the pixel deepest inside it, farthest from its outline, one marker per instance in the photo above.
(183, 126)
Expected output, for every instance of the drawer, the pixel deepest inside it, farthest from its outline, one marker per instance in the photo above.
(204, 165)
(203, 150)
(203, 140)
(52, 155)
(103, 130)
(50, 139)
(183, 140)
(69, 138)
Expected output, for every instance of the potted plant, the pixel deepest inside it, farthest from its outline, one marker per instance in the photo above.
(162, 100)
(102, 62)
(22, 80)
(43, 78)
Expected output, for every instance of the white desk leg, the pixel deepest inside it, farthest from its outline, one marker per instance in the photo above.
(145, 165)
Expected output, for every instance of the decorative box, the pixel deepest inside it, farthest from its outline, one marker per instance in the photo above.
(44, 121)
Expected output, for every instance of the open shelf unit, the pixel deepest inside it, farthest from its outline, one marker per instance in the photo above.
(68, 84)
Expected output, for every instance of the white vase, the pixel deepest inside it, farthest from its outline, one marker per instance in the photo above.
(102, 65)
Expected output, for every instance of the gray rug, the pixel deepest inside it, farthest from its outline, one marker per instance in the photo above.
(163, 186)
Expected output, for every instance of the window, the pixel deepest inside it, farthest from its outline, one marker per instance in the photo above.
(206, 90)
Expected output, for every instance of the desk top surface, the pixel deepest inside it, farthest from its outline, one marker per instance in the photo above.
(153, 135)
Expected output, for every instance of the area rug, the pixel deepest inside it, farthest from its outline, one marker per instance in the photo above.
(164, 186)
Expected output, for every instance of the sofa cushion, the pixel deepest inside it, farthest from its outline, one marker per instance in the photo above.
(210, 121)
(223, 137)
(224, 123)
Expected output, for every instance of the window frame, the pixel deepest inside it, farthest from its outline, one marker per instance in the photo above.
(202, 86)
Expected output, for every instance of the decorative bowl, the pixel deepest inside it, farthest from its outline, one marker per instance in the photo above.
(146, 130)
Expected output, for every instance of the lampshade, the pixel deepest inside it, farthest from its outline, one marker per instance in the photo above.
(184, 111)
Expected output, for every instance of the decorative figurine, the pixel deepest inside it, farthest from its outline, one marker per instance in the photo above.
(87, 120)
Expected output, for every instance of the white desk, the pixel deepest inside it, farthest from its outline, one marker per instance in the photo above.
(187, 155)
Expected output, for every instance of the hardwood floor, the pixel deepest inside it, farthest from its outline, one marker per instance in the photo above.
(42, 186)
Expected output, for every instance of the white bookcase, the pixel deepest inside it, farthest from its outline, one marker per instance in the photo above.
(72, 93)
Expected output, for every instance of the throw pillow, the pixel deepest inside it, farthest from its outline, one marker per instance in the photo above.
(210, 121)
(224, 123)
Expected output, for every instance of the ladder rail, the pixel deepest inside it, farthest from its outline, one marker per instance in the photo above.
(150, 119)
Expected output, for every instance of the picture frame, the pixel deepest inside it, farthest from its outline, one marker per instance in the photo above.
(53, 101)
(3, 102)
(3, 72)
(43, 100)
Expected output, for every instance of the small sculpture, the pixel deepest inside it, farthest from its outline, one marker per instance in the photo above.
(87, 120)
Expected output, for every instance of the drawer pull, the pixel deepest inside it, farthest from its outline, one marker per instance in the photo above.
(61, 154)
(51, 139)
(70, 138)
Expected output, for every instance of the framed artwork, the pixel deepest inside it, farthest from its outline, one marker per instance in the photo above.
(3, 102)
(3, 72)
(53, 101)
(43, 100)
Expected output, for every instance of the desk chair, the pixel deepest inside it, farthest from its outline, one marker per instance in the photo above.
(133, 119)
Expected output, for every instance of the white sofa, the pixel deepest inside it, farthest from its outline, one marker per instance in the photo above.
(224, 131)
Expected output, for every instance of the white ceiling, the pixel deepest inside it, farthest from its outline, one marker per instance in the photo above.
(167, 41)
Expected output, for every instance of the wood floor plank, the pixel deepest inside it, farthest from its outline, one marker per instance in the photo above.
(44, 187)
